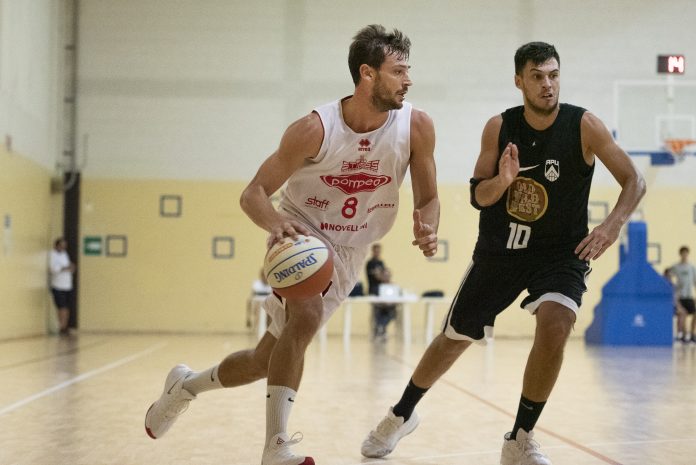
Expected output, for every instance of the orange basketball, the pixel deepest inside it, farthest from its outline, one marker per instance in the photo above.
(298, 269)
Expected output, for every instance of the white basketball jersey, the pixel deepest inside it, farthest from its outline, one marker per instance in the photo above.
(350, 190)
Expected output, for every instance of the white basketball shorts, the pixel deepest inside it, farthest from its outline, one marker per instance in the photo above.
(348, 264)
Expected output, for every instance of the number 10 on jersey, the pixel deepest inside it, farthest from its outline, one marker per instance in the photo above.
(519, 236)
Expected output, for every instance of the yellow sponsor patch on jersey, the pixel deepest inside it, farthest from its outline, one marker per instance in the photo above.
(527, 200)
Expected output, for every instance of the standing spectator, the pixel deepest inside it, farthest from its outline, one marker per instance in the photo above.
(385, 312)
(685, 274)
(377, 273)
(62, 270)
(679, 310)
(374, 269)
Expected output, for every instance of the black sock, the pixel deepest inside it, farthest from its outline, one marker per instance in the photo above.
(412, 394)
(527, 415)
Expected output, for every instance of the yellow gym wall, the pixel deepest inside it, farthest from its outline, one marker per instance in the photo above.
(168, 281)
(27, 204)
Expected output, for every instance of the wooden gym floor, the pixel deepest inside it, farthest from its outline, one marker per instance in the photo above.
(82, 400)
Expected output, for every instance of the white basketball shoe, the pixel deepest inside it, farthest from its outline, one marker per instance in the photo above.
(173, 402)
(523, 450)
(382, 441)
(278, 451)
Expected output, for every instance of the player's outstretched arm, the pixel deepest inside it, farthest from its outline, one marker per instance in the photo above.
(302, 140)
(597, 140)
(426, 204)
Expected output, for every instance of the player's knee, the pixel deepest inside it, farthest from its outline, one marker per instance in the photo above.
(306, 319)
(554, 333)
(259, 366)
(555, 321)
(453, 348)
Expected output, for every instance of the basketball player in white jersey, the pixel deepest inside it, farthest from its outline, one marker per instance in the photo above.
(343, 164)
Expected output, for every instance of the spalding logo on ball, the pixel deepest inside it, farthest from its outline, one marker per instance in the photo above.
(298, 269)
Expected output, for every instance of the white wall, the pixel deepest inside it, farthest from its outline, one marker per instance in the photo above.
(30, 54)
(204, 88)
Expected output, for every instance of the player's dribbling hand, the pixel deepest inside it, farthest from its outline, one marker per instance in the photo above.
(286, 228)
(426, 237)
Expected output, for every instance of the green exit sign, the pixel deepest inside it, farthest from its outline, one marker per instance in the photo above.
(92, 245)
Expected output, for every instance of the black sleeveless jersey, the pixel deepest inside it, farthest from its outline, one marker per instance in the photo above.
(544, 211)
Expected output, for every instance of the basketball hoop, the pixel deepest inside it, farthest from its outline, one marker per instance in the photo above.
(677, 147)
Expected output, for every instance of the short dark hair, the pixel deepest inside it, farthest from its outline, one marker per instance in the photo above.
(683, 249)
(58, 241)
(536, 52)
(372, 44)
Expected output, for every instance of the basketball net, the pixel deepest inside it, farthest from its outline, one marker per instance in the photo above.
(677, 148)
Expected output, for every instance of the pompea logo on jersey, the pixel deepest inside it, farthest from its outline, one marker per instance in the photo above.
(364, 145)
(358, 182)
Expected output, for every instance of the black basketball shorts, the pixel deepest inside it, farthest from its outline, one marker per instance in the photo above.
(60, 298)
(490, 285)
(688, 305)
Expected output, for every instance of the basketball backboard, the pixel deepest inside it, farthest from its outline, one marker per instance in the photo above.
(651, 115)
(649, 111)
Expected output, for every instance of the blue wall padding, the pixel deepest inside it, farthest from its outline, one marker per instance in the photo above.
(637, 303)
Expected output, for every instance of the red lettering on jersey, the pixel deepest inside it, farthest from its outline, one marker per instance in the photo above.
(343, 227)
(358, 182)
(360, 164)
(316, 203)
(380, 205)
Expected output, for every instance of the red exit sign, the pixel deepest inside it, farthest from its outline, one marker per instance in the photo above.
(671, 64)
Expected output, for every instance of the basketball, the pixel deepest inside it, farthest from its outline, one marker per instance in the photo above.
(298, 269)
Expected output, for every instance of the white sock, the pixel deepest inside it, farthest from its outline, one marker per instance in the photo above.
(203, 381)
(279, 402)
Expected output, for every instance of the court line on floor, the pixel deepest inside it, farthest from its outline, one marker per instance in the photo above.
(71, 351)
(122, 361)
(497, 451)
(490, 404)
(430, 457)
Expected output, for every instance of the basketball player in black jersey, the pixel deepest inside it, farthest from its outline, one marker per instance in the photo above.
(531, 184)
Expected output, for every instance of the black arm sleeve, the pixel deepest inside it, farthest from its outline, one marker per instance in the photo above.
(472, 189)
